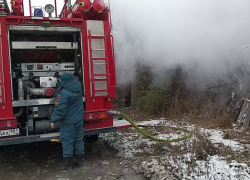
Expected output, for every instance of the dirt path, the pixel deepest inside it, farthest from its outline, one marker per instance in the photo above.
(38, 161)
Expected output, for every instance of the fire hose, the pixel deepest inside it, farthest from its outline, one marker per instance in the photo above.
(137, 127)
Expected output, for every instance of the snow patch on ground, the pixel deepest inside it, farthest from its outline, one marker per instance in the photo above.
(216, 136)
(155, 122)
(215, 168)
(165, 166)
(168, 136)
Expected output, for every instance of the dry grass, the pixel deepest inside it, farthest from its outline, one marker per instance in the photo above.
(136, 114)
(223, 121)
(205, 118)
(209, 115)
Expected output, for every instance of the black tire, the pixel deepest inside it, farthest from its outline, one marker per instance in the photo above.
(91, 138)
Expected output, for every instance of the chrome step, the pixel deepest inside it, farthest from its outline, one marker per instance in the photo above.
(100, 63)
(98, 78)
(98, 49)
(3, 14)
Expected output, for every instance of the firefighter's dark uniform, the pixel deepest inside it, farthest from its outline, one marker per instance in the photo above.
(69, 112)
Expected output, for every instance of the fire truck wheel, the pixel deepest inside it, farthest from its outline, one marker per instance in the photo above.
(91, 138)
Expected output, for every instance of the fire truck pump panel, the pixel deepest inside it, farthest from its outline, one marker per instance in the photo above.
(38, 59)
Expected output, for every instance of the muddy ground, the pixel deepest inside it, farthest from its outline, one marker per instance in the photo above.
(39, 160)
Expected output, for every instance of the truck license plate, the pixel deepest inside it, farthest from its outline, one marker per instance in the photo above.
(9, 132)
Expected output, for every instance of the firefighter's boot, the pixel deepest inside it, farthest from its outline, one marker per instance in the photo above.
(79, 160)
(67, 164)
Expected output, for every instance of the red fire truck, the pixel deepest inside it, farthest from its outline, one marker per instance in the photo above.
(36, 50)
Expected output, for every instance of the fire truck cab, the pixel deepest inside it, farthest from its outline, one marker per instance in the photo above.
(36, 49)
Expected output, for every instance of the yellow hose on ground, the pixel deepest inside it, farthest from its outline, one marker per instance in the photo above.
(190, 133)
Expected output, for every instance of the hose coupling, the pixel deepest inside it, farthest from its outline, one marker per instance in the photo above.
(112, 112)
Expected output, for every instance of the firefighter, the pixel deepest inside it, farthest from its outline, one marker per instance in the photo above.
(69, 112)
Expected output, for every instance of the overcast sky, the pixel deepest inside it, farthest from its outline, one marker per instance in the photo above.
(201, 35)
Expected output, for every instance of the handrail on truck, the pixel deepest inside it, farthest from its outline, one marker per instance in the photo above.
(65, 12)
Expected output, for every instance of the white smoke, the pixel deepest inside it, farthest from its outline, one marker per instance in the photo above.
(200, 35)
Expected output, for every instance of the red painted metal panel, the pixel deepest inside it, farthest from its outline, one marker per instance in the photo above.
(96, 103)
(6, 110)
(2, 90)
